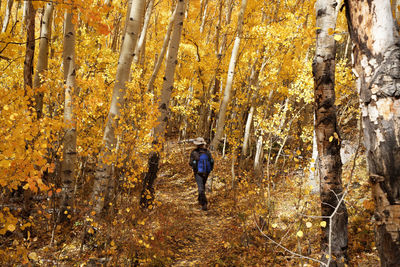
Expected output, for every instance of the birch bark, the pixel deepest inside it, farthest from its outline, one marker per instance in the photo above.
(68, 165)
(159, 130)
(103, 180)
(43, 56)
(141, 43)
(376, 54)
(160, 58)
(7, 16)
(334, 239)
(229, 79)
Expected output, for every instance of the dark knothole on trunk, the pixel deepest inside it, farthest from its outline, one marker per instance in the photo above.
(321, 12)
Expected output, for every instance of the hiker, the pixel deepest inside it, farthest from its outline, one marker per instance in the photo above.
(202, 163)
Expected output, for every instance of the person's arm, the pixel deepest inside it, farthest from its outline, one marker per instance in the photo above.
(192, 161)
(211, 160)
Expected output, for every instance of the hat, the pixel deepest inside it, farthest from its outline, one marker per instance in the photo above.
(199, 141)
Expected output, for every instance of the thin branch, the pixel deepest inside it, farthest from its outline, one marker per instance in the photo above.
(286, 249)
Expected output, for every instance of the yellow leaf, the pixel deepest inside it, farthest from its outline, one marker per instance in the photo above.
(323, 224)
(337, 37)
(274, 225)
(331, 139)
(308, 224)
(300, 234)
(331, 31)
(90, 231)
(336, 135)
(298, 152)
(11, 227)
(33, 256)
(312, 169)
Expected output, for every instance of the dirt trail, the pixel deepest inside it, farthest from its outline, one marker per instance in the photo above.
(200, 233)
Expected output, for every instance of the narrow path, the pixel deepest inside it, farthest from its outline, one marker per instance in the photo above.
(200, 234)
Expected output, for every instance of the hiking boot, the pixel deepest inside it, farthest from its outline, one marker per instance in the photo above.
(204, 207)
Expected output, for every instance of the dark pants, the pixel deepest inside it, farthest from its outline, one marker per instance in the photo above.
(201, 180)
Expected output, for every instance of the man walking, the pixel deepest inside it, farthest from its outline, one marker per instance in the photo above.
(202, 164)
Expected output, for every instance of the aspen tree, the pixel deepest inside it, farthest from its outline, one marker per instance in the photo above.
(103, 176)
(160, 58)
(140, 46)
(168, 85)
(30, 46)
(7, 16)
(376, 55)
(68, 165)
(334, 241)
(254, 81)
(229, 80)
(42, 63)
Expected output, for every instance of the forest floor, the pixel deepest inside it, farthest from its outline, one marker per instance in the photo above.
(176, 232)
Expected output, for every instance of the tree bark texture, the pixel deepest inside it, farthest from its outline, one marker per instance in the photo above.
(160, 58)
(170, 67)
(168, 85)
(229, 80)
(103, 179)
(42, 63)
(327, 135)
(30, 47)
(7, 16)
(376, 53)
(69, 163)
(141, 43)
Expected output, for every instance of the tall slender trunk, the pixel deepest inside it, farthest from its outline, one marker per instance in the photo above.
(30, 47)
(160, 57)
(203, 16)
(45, 36)
(103, 180)
(69, 163)
(334, 239)
(228, 16)
(7, 16)
(376, 54)
(254, 81)
(229, 79)
(141, 43)
(168, 85)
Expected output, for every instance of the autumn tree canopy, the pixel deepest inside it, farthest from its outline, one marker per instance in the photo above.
(99, 102)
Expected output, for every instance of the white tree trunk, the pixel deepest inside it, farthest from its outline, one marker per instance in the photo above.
(45, 36)
(376, 53)
(170, 71)
(7, 16)
(160, 58)
(103, 172)
(229, 79)
(254, 81)
(142, 40)
(334, 240)
(68, 165)
(159, 131)
(203, 17)
(258, 158)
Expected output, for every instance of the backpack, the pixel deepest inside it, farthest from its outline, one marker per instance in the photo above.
(204, 164)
